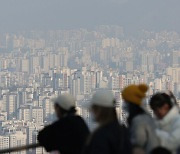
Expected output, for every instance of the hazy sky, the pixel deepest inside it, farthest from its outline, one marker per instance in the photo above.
(56, 14)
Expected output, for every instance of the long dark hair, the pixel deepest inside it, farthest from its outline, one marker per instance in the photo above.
(133, 110)
(107, 114)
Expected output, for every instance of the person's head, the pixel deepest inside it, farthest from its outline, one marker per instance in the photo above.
(161, 104)
(103, 107)
(134, 94)
(64, 104)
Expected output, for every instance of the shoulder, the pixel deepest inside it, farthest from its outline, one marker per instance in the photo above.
(75, 119)
(69, 119)
(76, 122)
(145, 119)
(62, 122)
(78, 118)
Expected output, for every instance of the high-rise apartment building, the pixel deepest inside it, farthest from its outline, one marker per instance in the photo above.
(175, 58)
(4, 142)
(37, 115)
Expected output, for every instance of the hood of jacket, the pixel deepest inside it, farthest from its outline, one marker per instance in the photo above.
(170, 117)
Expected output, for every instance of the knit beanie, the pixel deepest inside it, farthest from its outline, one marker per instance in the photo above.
(135, 93)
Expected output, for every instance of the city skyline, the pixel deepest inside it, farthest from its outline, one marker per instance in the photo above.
(52, 47)
(37, 66)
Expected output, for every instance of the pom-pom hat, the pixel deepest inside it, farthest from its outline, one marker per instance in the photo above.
(135, 93)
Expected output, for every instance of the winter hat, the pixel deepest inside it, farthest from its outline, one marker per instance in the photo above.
(135, 93)
(66, 101)
(103, 98)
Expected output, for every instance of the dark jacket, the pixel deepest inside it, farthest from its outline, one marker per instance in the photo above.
(67, 135)
(109, 139)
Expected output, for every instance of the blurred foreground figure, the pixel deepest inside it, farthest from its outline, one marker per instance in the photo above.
(110, 137)
(168, 120)
(160, 150)
(69, 133)
(141, 125)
